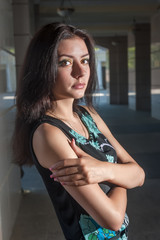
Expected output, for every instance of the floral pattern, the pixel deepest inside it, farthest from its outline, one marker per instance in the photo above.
(110, 158)
(79, 138)
(94, 136)
(95, 144)
(90, 124)
(91, 230)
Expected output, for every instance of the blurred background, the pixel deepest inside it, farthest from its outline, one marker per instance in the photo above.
(127, 45)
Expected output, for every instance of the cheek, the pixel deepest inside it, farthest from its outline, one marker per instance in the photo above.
(60, 74)
(62, 80)
(88, 73)
(63, 73)
(88, 76)
(60, 77)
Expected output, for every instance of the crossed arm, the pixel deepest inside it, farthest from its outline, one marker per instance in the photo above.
(126, 173)
(70, 168)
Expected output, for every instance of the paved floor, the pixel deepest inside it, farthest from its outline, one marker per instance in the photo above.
(140, 135)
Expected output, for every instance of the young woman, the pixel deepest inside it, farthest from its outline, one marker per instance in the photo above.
(85, 170)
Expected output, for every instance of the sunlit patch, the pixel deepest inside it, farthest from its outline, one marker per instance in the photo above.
(9, 97)
(100, 94)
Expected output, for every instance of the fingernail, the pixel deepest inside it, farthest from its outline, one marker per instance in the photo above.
(51, 176)
(56, 180)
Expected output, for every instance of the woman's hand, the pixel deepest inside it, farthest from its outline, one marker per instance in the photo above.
(79, 171)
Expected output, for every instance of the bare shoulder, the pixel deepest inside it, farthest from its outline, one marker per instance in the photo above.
(50, 145)
(47, 132)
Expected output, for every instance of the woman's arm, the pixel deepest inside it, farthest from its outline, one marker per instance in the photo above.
(50, 146)
(126, 173)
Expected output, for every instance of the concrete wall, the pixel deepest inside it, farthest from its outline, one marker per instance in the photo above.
(155, 65)
(9, 173)
(22, 35)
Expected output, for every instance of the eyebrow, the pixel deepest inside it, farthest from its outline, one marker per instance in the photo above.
(70, 56)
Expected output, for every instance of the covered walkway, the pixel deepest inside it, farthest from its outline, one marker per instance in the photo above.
(130, 34)
(140, 135)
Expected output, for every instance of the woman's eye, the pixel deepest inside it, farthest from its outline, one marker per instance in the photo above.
(64, 63)
(85, 61)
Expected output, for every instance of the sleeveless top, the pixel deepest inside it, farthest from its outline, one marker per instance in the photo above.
(72, 217)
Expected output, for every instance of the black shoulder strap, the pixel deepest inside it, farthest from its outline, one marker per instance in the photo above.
(58, 123)
(54, 122)
(83, 110)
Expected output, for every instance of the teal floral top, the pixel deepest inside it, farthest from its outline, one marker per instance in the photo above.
(98, 142)
(74, 220)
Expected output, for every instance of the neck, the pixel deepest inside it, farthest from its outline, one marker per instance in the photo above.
(64, 112)
(64, 109)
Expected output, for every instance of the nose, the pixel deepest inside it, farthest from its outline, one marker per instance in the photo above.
(78, 70)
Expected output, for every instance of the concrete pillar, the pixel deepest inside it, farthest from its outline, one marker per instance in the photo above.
(22, 33)
(131, 71)
(155, 69)
(118, 71)
(117, 66)
(143, 67)
(104, 82)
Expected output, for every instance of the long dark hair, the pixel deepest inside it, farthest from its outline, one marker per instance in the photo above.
(34, 94)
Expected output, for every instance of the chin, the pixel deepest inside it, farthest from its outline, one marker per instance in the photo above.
(78, 96)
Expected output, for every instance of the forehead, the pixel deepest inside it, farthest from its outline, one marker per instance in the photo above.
(72, 46)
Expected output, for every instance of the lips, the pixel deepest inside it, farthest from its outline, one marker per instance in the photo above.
(79, 86)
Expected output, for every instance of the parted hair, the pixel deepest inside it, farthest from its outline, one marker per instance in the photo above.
(34, 94)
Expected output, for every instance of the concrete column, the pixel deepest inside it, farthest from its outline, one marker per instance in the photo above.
(131, 71)
(118, 71)
(118, 67)
(143, 67)
(155, 70)
(22, 33)
(104, 82)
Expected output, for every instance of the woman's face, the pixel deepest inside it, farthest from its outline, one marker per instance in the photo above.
(73, 69)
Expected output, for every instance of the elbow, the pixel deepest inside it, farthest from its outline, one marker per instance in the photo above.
(115, 227)
(116, 222)
(141, 178)
(139, 181)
